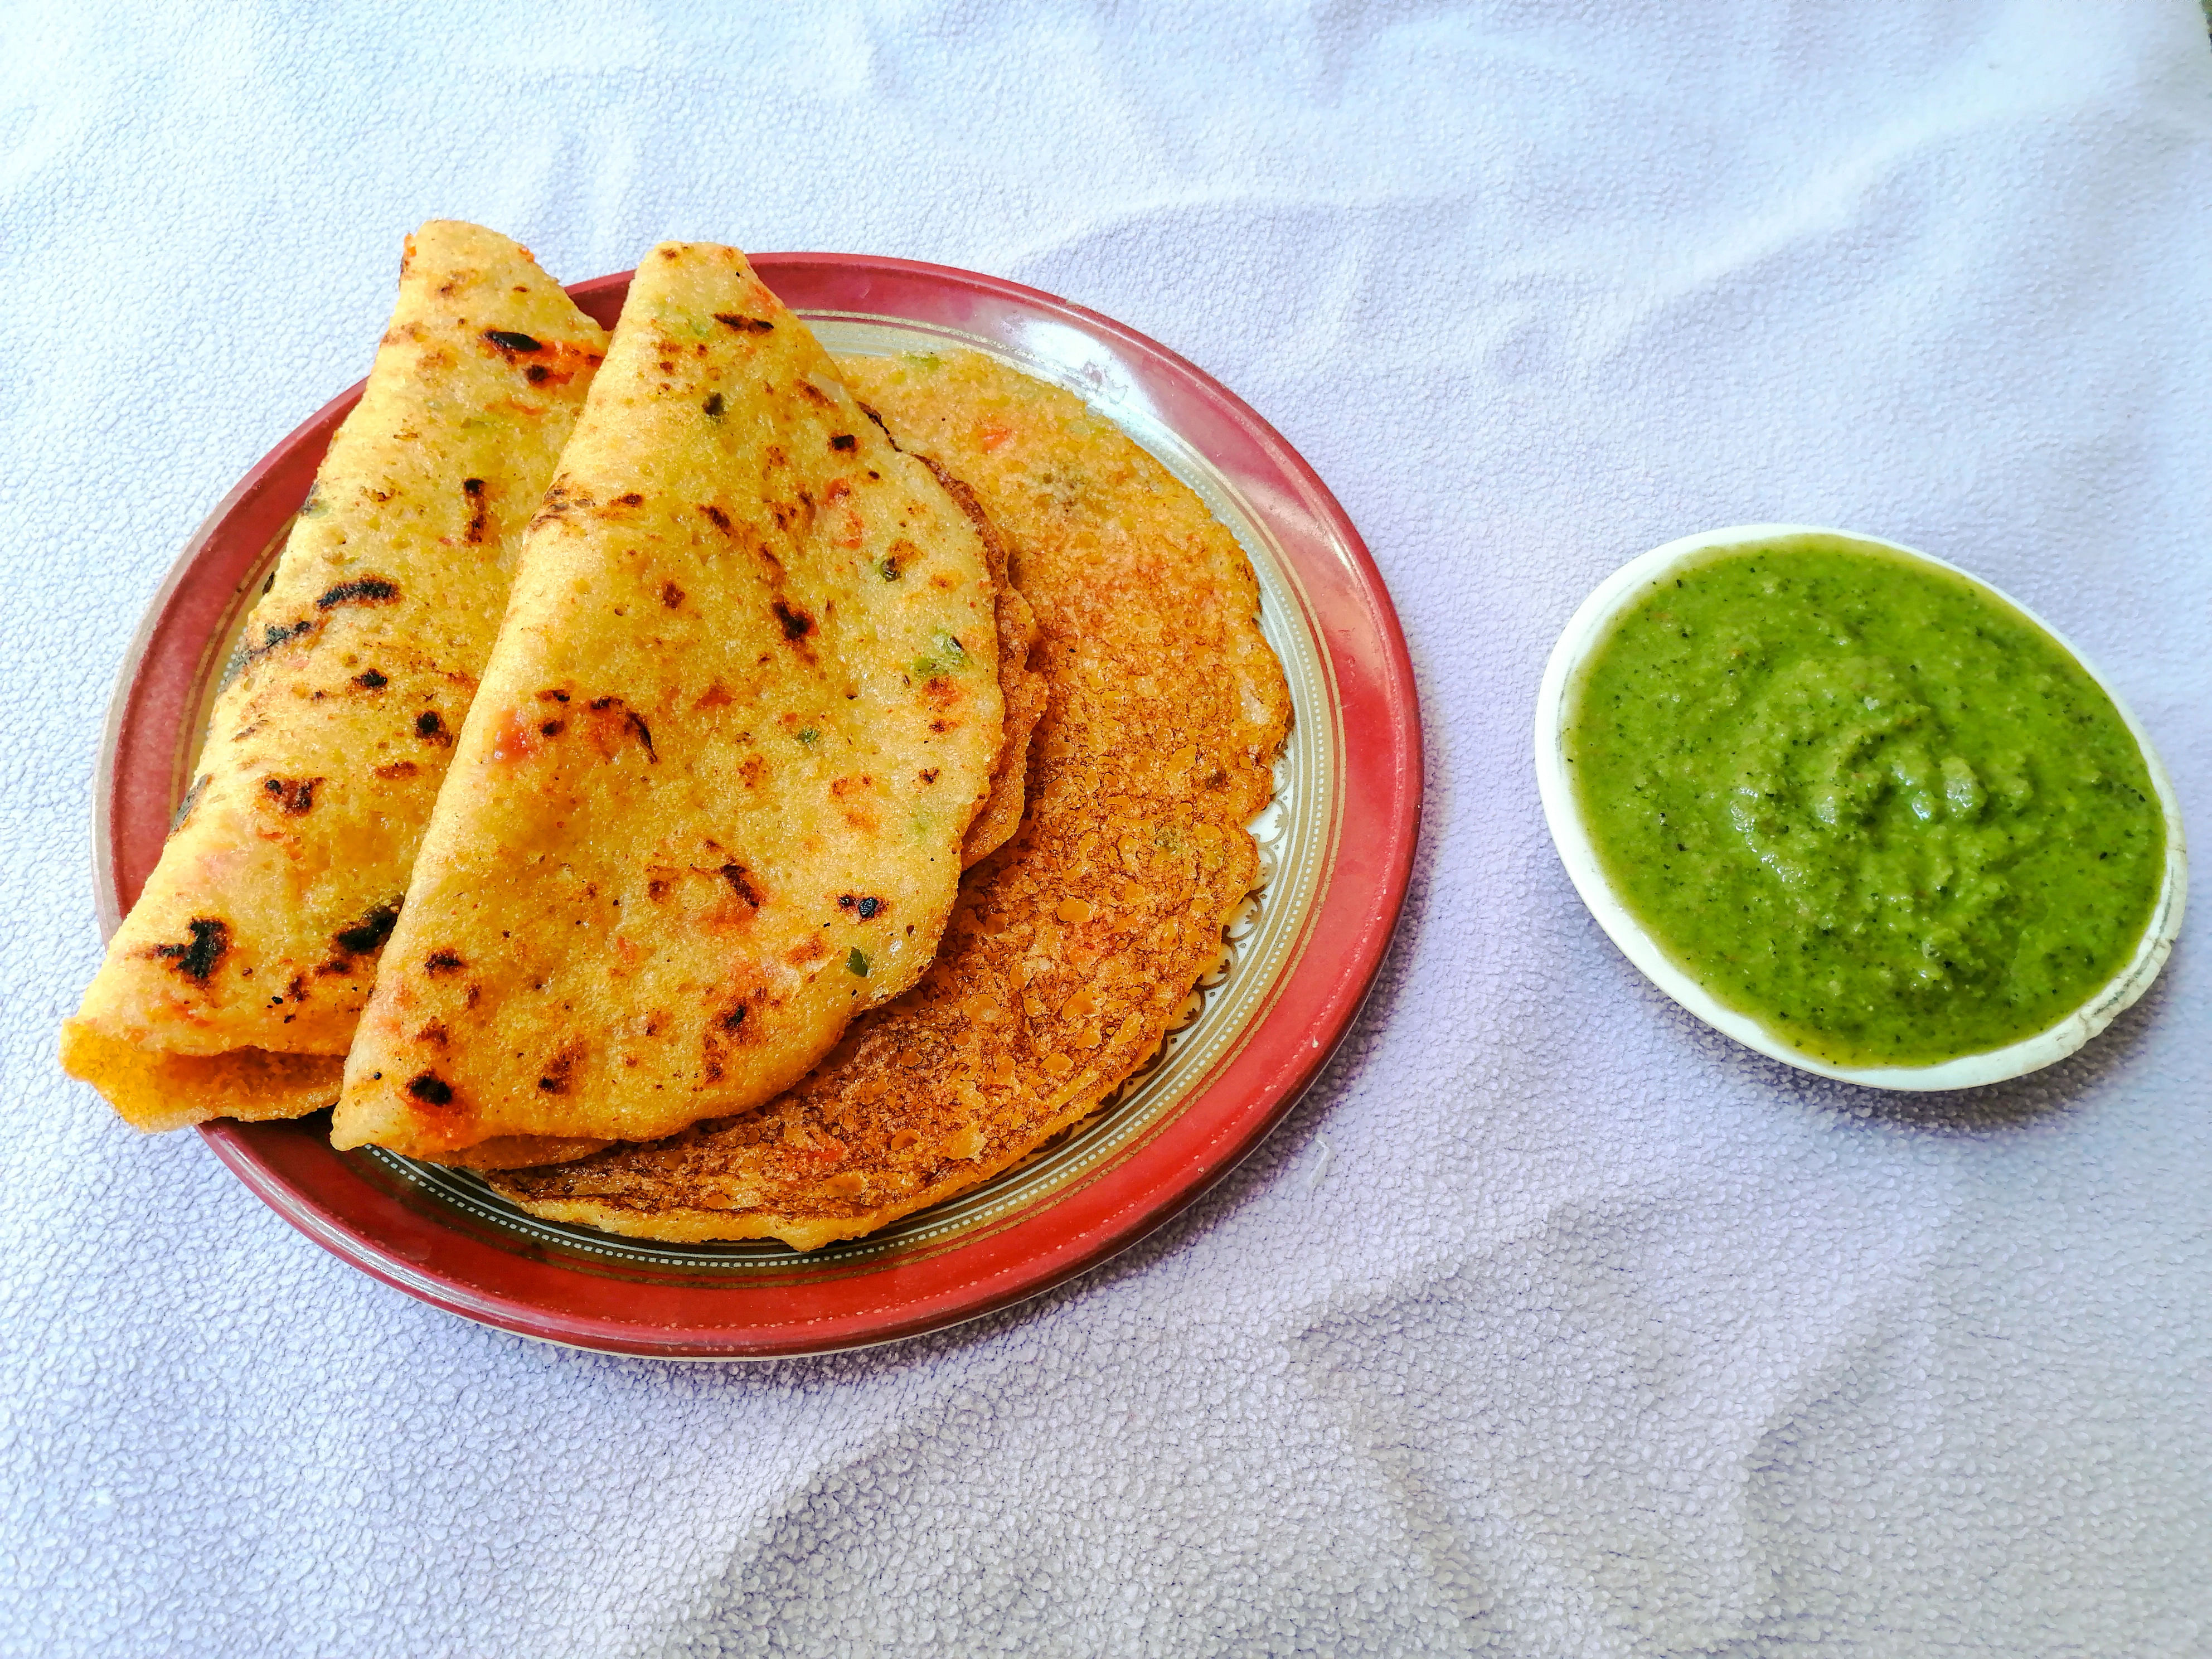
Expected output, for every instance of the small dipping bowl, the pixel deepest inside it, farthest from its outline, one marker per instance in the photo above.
(1593, 624)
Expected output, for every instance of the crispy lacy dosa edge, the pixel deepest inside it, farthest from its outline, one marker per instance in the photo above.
(1074, 946)
(253, 946)
(1020, 687)
(710, 801)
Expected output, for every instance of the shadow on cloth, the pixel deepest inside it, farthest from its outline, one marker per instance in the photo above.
(1996, 1107)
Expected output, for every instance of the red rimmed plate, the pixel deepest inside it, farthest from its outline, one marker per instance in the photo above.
(1337, 846)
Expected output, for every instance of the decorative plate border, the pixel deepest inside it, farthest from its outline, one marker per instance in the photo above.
(1347, 810)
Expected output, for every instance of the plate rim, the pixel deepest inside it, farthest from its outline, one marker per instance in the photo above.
(1362, 647)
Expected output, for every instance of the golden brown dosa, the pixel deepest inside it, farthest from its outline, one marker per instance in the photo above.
(233, 987)
(710, 802)
(1021, 688)
(1073, 945)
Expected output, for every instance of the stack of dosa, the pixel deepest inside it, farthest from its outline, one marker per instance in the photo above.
(233, 987)
(1074, 945)
(768, 678)
(711, 800)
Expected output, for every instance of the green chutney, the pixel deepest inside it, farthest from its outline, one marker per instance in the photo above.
(1863, 802)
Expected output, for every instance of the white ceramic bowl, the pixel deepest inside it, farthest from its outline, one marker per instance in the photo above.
(1593, 622)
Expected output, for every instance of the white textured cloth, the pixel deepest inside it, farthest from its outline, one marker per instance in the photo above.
(1595, 1335)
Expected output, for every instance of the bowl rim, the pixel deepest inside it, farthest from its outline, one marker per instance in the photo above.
(1593, 622)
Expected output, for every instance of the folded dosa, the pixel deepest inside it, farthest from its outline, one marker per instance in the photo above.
(233, 987)
(1021, 688)
(1074, 945)
(710, 801)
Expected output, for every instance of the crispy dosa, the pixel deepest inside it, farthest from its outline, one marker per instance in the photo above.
(710, 802)
(1074, 945)
(1021, 688)
(233, 987)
